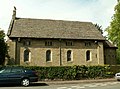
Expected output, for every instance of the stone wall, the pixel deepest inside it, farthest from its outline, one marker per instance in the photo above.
(110, 56)
(59, 50)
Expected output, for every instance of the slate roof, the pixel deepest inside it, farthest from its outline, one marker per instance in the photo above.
(45, 28)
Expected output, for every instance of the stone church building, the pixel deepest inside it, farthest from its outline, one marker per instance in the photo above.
(44, 42)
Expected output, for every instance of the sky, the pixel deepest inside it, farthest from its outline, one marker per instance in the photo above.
(95, 11)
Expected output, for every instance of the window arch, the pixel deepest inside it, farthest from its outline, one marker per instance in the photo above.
(48, 55)
(27, 55)
(69, 55)
(87, 55)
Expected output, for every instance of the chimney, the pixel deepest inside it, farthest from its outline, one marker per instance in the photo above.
(14, 13)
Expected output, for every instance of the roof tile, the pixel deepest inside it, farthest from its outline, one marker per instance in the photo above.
(45, 28)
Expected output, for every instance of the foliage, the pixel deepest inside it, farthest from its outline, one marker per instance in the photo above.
(99, 28)
(72, 72)
(3, 47)
(114, 29)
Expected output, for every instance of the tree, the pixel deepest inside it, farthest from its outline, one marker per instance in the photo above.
(3, 47)
(114, 29)
(99, 28)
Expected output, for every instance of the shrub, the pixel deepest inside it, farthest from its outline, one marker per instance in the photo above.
(72, 72)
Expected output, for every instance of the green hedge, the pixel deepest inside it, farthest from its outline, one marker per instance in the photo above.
(72, 72)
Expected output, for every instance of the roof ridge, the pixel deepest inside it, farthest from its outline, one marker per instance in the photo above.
(54, 20)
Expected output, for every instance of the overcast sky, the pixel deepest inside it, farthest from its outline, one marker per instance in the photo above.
(95, 11)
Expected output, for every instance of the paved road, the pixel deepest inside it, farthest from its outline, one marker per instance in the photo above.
(104, 85)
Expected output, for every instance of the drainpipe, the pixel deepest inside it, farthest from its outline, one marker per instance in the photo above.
(60, 52)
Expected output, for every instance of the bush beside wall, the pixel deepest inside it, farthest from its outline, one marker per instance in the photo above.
(72, 72)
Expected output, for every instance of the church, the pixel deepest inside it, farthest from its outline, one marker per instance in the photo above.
(46, 42)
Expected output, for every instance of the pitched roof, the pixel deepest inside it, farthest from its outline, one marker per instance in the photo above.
(108, 44)
(45, 28)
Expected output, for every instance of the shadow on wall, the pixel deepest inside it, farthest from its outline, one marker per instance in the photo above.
(10, 61)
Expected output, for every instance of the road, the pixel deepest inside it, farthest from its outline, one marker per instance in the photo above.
(104, 85)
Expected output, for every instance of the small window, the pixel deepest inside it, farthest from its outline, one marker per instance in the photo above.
(26, 43)
(48, 43)
(69, 55)
(48, 55)
(96, 55)
(69, 43)
(87, 44)
(26, 55)
(88, 55)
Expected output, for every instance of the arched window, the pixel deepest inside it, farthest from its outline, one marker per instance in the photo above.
(27, 55)
(69, 55)
(88, 55)
(48, 55)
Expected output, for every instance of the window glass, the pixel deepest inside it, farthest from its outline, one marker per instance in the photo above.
(48, 43)
(48, 55)
(69, 55)
(26, 55)
(16, 70)
(26, 43)
(69, 43)
(88, 44)
(6, 70)
(88, 55)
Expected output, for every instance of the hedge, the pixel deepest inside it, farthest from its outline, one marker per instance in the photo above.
(72, 72)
